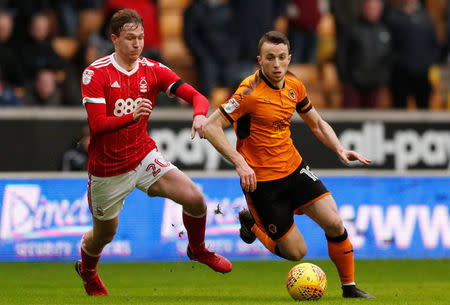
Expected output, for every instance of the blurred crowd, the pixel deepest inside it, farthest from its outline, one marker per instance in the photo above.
(379, 49)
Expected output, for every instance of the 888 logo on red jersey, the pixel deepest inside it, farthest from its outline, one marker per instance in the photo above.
(122, 107)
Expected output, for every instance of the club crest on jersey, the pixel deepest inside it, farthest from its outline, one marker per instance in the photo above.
(292, 94)
(231, 106)
(87, 76)
(143, 85)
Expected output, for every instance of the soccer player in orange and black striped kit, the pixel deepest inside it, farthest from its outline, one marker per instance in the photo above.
(276, 181)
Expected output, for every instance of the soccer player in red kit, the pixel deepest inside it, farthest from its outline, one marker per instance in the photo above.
(119, 92)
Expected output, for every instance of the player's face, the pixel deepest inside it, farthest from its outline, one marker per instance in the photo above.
(274, 60)
(130, 42)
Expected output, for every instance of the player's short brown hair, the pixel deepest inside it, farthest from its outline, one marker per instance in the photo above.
(122, 17)
(274, 37)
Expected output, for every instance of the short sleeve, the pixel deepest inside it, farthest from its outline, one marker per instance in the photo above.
(236, 106)
(92, 86)
(166, 79)
(304, 104)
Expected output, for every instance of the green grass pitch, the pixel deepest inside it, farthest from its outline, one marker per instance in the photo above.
(255, 282)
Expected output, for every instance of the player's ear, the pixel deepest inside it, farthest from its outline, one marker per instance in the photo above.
(114, 38)
(289, 58)
(259, 59)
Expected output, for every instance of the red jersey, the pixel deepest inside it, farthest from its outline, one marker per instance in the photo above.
(117, 151)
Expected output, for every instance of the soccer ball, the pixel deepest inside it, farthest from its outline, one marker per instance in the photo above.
(306, 281)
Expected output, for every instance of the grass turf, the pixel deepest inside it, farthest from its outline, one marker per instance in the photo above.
(256, 282)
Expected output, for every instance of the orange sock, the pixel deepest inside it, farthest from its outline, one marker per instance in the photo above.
(340, 251)
(265, 239)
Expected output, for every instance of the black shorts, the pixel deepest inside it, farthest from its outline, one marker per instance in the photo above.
(274, 203)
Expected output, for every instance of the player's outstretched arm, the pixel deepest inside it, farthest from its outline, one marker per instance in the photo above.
(350, 155)
(213, 131)
(323, 131)
(197, 126)
(200, 104)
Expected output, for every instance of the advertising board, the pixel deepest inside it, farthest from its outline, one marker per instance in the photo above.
(386, 217)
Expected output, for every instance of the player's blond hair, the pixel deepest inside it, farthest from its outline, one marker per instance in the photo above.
(122, 17)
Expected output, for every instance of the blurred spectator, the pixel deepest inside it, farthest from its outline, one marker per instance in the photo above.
(101, 38)
(304, 17)
(76, 157)
(37, 52)
(7, 95)
(44, 91)
(208, 34)
(72, 85)
(366, 59)
(345, 12)
(6, 26)
(23, 11)
(415, 50)
(252, 19)
(12, 76)
(69, 14)
(149, 12)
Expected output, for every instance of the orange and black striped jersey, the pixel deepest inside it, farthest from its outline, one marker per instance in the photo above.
(261, 115)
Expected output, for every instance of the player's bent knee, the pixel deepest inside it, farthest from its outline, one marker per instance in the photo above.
(301, 252)
(194, 202)
(196, 197)
(104, 240)
(294, 253)
(297, 255)
(334, 227)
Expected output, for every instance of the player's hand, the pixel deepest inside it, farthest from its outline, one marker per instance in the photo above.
(143, 108)
(248, 177)
(197, 126)
(350, 155)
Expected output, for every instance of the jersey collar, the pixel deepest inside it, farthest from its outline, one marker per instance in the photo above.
(124, 71)
(261, 74)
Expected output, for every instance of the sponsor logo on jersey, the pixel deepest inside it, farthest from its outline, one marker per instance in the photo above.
(143, 85)
(280, 125)
(87, 76)
(122, 107)
(231, 106)
(115, 85)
